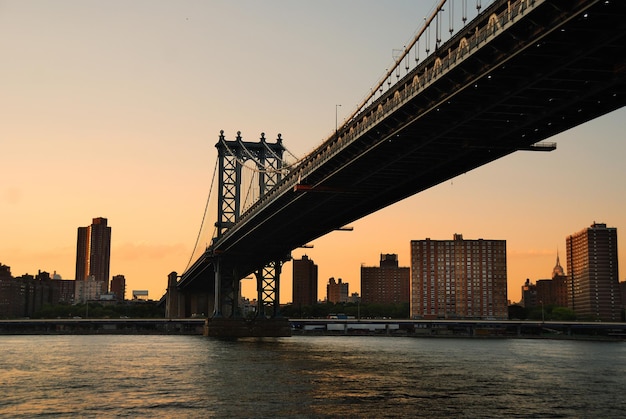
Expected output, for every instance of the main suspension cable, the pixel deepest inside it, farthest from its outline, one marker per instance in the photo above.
(206, 207)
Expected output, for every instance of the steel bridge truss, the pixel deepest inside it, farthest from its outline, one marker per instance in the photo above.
(267, 162)
(268, 285)
(267, 159)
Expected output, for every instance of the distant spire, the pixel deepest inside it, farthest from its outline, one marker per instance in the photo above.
(558, 269)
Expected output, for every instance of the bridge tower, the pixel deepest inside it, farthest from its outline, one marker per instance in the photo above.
(266, 160)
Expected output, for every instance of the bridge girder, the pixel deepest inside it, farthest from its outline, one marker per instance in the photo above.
(561, 64)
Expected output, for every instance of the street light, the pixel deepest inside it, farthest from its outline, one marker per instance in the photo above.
(336, 119)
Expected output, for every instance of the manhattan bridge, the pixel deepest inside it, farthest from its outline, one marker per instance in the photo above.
(479, 81)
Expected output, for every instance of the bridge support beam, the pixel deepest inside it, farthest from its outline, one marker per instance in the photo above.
(172, 302)
(217, 307)
(268, 290)
(239, 328)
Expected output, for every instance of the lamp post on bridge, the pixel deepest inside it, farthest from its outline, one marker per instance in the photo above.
(336, 119)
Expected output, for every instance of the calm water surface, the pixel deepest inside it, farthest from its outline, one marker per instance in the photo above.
(303, 376)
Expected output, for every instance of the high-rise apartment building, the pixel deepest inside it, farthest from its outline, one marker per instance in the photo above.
(304, 281)
(459, 279)
(387, 283)
(118, 287)
(337, 291)
(593, 284)
(93, 253)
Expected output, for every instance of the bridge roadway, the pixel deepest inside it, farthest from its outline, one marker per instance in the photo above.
(518, 74)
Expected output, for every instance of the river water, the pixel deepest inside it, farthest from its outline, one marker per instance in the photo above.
(305, 376)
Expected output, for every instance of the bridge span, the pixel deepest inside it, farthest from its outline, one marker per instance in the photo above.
(519, 73)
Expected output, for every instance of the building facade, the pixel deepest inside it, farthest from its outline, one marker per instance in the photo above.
(25, 295)
(387, 283)
(93, 253)
(459, 279)
(337, 291)
(593, 283)
(118, 287)
(304, 281)
(86, 291)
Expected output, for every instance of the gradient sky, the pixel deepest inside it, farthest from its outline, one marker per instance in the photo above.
(113, 108)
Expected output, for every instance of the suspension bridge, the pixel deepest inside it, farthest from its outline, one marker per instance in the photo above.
(464, 92)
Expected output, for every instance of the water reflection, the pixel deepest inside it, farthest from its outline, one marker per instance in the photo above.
(192, 376)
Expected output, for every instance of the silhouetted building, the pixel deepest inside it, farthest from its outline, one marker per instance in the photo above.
(622, 289)
(593, 286)
(304, 281)
(12, 295)
(337, 291)
(118, 287)
(552, 291)
(459, 278)
(93, 253)
(547, 291)
(559, 285)
(387, 283)
(25, 295)
(5, 272)
(529, 294)
(64, 290)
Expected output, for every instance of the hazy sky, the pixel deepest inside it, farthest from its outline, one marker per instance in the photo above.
(113, 108)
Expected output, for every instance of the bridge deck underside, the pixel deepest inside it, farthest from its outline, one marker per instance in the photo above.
(526, 85)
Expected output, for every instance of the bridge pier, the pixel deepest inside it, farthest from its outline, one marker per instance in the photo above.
(223, 327)
(268, 289)
(172, 302)
(217, 309)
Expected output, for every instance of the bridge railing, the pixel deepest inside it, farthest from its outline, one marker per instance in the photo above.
(491, 23)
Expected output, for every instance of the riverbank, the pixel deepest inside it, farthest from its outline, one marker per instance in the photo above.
(123, 326)
(475, 329)
(461, 328)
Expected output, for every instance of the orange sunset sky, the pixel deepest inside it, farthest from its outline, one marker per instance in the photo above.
(113, 108)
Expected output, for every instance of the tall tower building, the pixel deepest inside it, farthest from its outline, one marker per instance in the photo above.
(387, 283)
(304, 281)
(93, 253)
(459, 278)
(593, 284)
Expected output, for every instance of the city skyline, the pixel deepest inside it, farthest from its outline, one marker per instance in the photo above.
(131, 97)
